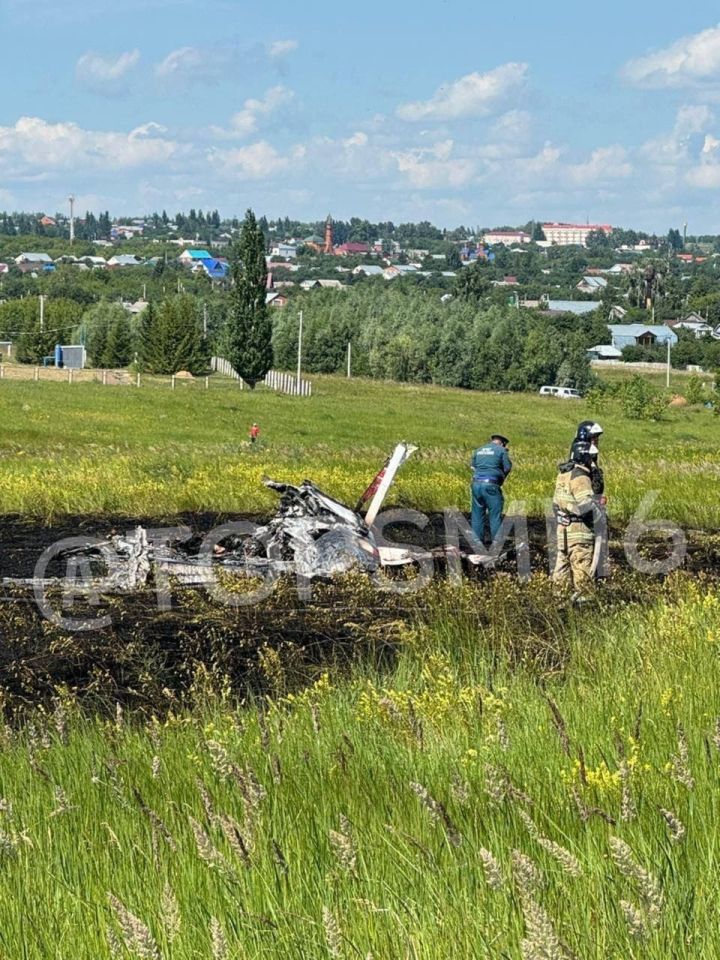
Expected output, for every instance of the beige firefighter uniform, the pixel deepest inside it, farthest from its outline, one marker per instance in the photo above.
(573, 503)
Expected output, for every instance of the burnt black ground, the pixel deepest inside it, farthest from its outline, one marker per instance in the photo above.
(23, 539)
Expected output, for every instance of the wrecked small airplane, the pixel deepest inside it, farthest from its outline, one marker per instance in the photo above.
(311, 535)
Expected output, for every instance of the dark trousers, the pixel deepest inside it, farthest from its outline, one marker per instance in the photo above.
(487, 504)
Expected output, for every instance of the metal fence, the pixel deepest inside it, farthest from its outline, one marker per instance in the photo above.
(274, 379)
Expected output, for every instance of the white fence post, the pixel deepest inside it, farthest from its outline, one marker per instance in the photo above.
(104, 377)
(37, 373)
(137, 382)
(172, 382)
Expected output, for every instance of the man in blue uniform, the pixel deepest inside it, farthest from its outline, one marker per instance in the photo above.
(490, 466)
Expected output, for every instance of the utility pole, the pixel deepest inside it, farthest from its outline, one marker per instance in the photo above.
(71, 201)
(42, 312)
(299, 365)
(204, 321)
(684, 235)
(349, 360)
(667, 374)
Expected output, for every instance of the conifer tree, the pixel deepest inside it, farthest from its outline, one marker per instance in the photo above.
(249, 330)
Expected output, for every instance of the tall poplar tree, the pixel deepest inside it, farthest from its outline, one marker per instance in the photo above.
(248, 335)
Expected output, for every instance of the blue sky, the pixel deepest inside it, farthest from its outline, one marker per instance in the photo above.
(474, 113)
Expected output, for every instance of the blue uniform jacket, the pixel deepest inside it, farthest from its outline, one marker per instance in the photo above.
(491, 462)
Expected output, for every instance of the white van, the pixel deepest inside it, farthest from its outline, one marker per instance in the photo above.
(565, 393)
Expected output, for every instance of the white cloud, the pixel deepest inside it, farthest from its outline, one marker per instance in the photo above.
(674, 148)
(106, 75)
(474, 95)
(33, 145)
(281, 48)
(689, 61)
(182, 63)
(603, 164)
(6, 199)
(434, 167)
(245, 121)
(358, 139)
(257, 161)
(706, 174)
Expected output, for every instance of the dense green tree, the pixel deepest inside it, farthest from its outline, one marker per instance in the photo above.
(173, 337)
(248, 338)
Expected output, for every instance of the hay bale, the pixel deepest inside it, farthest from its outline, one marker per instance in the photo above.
(678, 401)
(184, 375)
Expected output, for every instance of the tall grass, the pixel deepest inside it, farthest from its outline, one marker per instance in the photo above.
(457, 806)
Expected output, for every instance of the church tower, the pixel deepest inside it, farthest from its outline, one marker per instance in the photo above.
(328, 248)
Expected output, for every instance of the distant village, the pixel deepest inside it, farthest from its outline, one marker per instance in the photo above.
(613, 268)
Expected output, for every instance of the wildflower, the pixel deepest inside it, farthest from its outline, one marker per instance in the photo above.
(342, 843)
(495, 785)
(648, 885)
(333, 937)
(493, 874)
(675, 826)
(136, 935)
(541, 942)
(156, 767)
(680, 762)
(637, 926)
(219, 943)
(170, 912)
(234, 836)
(438, 813)
(526, 875)
(204, 845)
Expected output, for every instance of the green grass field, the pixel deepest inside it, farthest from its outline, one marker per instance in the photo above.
(88, 449)
(497, 774)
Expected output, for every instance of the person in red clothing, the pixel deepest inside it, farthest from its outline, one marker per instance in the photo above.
(254, 433)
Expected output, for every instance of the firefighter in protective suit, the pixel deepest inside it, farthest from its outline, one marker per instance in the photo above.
(575, 510)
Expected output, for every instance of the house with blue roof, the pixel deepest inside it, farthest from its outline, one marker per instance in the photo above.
(190, 257)
(641, 335)
(215, 269)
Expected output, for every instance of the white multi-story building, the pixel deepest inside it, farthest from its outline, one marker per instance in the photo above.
(568, 234)
(508, 237)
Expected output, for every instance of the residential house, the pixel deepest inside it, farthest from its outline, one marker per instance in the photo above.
(276, 299)
(694, 323)
(352, 250)
(398, 269)
(592, 284)
(617, 313)
(126, 232)
(288, 251)
(123, 260)
(620, 268)
(578, 307)
(4, 268)
(604, 351)
(506, 282)
(215, 269)
(640, 335)
(28, 262)
(189, 258)
(369, 270)
(47, 222)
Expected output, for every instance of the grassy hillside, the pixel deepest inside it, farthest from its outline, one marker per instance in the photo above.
(152, 451)
(474, 770)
